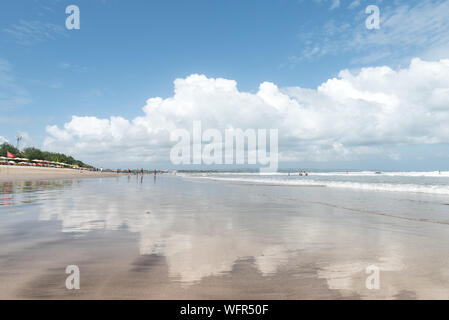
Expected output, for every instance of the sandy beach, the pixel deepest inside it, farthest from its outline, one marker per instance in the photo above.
(19, 173)
(170, 237)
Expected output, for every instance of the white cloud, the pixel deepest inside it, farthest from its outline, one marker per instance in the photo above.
(354, 4)
(347, 117)
(3, 139)
(406, 30)
(12, 95)
(31, 32)
(73, 67)
(335, 4)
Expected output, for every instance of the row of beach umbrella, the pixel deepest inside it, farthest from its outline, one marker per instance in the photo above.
(24, 160)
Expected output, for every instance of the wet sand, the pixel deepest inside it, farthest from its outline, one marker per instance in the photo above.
(209, 240)
(19, 173)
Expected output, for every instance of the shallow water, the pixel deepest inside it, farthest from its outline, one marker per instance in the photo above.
(184, 237)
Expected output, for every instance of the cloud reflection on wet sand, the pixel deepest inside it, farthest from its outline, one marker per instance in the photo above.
(210, 240)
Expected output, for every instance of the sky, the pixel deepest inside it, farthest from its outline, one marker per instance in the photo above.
(340, 94)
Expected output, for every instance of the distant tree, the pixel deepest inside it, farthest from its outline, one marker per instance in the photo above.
(36, 154)
(33, 154)
(6, 147)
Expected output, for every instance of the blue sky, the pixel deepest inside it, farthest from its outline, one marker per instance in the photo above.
(129, 51)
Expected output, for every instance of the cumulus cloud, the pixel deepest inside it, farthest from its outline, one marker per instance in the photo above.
(353, 115)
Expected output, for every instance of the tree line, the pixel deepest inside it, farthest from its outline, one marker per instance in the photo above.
(36, 154)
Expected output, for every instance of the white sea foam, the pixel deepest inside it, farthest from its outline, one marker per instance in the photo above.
(435, 174)
(397, 187)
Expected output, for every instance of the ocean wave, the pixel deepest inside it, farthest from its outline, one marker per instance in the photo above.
(435, 174)
(413, 188)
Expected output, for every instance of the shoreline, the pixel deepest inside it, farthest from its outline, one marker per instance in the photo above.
(19, 173)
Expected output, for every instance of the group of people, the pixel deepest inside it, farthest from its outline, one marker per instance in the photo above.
(141, 171)
(301, 173)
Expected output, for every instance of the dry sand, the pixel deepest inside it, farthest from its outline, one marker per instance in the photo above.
(18, 173)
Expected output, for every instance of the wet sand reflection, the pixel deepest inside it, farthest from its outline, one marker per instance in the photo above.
(209, 240)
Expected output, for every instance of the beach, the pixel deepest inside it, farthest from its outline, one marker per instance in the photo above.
(23, 173)
(196, 237)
